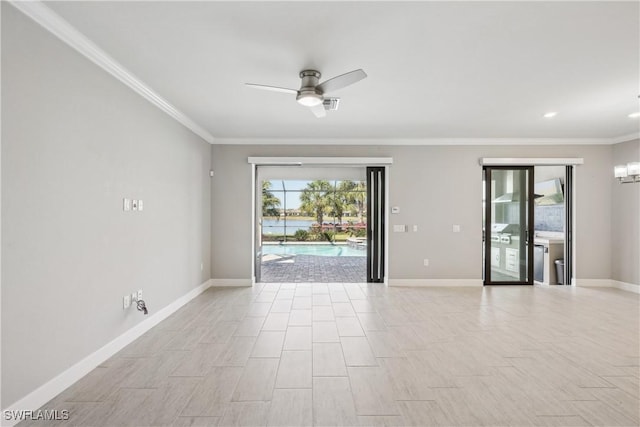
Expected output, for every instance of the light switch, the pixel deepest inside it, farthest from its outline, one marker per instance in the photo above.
(140, 205)
(399, 228)
(395, 209)
(415, 228)
(126, 204)
(456, 228)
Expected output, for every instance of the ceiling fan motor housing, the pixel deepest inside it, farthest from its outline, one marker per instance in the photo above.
(308, 95)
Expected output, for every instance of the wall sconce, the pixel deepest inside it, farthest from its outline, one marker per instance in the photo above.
(627, 173)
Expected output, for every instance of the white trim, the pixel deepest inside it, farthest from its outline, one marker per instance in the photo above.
(320, 161)
(215, 283)
(625, 138)
(57, 385)
(630, 287)
(529, 161)
(418, 141)
(436, 282)
(60, 28)
(608, 283)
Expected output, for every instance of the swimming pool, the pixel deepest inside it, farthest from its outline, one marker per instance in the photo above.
(317, 250)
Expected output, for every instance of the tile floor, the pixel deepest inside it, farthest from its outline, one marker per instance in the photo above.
(367, 355)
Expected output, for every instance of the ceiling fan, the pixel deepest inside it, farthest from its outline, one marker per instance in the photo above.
(312, 93)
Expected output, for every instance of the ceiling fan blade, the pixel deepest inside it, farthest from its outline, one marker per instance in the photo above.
(273, 88)
(341, 81)
(318, 110)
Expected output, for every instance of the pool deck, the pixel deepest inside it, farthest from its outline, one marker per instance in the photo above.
(314, 269)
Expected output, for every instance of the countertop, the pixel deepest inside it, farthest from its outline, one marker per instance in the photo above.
(548, 240)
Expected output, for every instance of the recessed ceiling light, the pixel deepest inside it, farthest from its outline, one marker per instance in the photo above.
(634, 115)
(550, 114)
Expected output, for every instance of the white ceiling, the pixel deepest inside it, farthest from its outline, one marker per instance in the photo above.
(436, 70)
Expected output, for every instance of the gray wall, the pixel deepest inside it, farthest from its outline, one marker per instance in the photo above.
(75, 142)
(435, 187)
(625, 229)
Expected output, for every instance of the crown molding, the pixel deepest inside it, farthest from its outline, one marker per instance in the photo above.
(625, 138)
(413, 141)
(60, 28)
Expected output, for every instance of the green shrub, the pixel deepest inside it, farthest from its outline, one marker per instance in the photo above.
(301, 235)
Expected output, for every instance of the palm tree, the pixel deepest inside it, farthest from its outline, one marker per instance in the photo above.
(270, 202)
(354, 194)
(315, 199)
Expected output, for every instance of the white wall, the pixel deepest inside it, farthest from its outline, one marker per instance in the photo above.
(75, 142)
(625, 219)
(435, 187)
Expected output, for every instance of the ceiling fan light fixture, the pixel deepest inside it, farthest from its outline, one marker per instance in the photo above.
(309, 99)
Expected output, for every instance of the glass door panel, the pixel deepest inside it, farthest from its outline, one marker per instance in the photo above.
(508, 225)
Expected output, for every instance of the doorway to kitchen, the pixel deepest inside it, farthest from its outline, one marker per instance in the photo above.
(508, 227)
(528, 217)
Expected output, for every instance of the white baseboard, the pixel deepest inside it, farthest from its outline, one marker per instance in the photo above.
(435, 282)
(57, 385)
(630, 287)
(608, 283)
(231, 282)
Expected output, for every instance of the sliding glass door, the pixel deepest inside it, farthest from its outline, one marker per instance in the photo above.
(508, 228)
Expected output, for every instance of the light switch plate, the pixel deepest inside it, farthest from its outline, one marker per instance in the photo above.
(140, 205)
(395, 209)
(456, 228)
(126, 204)
(399, 228)
(126, 301)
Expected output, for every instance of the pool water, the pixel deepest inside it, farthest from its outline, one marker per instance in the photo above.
(317, 250)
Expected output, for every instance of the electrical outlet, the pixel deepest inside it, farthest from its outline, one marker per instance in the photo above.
(126, 301)
(426, 262)
(134, 297)
(134, 205)
(139, 294)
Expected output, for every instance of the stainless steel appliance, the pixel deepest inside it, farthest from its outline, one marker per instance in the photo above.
(538, 263)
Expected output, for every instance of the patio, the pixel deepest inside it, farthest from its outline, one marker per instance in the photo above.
(315, 269)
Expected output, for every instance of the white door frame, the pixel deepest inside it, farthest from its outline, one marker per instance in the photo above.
(318, 161)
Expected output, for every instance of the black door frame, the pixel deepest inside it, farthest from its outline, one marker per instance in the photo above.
(568, 225)
(529, 232)
(376, 223)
